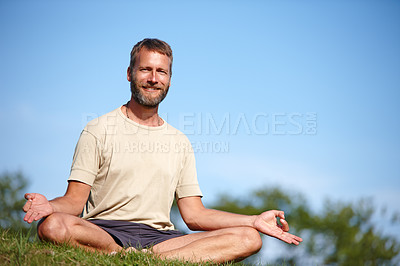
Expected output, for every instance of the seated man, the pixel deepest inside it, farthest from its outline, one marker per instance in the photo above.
(127, 168)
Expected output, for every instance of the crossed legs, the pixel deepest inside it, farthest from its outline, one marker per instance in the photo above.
(62, 228)
(230, 244)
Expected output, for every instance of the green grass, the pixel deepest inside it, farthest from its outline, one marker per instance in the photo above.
(22, 249)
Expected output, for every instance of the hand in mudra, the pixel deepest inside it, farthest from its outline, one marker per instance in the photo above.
(36, 207)
(266, 223)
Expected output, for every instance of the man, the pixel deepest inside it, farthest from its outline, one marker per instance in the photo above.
(128, 166)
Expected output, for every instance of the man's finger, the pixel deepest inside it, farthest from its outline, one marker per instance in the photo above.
(279, 214)
(298, 238)
(27, 205)
(295, 242)
(291, 239)
(38, 217)
(28, 216)
(285, 225)
(34, 217)
(28, 196)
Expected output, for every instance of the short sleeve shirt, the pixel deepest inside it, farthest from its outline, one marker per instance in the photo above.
(134, 171)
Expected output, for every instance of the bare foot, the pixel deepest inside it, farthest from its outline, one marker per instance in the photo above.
(132, 249)
(124, 251)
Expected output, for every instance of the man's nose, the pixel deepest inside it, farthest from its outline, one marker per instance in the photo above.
(152, 78)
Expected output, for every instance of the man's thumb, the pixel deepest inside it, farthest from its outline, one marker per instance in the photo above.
(28, 196)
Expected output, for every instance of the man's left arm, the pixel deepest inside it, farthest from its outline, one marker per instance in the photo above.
(199, 218)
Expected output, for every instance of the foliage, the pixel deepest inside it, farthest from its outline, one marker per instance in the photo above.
(12, 186)
(340, 234)
(351, 231)
(17, 249)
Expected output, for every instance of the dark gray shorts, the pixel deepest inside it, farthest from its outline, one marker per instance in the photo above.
(128, 234)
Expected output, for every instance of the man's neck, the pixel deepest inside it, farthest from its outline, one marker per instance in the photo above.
(142, 115)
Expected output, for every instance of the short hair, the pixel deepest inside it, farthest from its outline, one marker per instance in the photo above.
(155, 45)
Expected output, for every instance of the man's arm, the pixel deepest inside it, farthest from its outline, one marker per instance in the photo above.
(197, 217)
(37, 206)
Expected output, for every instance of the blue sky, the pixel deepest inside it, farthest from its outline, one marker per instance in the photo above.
(300, 94)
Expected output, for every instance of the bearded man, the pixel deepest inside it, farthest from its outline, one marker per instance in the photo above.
(128, 167)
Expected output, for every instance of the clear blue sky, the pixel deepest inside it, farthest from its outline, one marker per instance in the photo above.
(255, 77)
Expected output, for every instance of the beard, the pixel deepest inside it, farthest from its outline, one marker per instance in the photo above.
(144, 100)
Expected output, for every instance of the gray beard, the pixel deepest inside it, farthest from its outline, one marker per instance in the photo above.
(141, 99)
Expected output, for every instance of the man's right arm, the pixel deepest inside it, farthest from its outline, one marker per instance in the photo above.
(37, 206)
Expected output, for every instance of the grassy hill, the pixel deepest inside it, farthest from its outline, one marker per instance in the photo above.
(20, 249)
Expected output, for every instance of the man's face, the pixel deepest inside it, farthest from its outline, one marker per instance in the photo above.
(150, 78)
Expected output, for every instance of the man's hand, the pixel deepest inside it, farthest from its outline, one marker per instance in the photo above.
(36, 207)
(266, 223)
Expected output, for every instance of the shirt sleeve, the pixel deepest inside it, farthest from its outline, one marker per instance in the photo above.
(188, 184)
(86, 160)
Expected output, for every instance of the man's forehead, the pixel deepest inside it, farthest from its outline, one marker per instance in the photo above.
(145, 51)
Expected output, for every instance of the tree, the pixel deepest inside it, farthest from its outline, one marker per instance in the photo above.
(349, 235)
(340, 234)
(12, 186)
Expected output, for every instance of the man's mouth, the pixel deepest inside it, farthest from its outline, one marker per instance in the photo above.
(151, 89)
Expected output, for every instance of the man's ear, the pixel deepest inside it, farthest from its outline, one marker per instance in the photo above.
(129, 74)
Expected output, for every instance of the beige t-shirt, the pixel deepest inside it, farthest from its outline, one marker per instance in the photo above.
(134, 170)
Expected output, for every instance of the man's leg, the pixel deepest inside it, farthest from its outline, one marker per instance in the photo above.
(230, 244)
(62, 228)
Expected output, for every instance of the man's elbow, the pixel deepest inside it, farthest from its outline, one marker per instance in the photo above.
(193, 213)
(195, 227)
(199, 223)
(191, 224)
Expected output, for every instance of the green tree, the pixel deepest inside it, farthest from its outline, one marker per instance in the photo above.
(12, 186)
(340, 234)
(350, 235)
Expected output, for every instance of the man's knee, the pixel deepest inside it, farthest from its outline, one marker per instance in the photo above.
(247, 240)
(250, 239)
(53, 228)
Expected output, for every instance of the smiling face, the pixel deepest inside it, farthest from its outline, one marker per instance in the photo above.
(150, 78)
